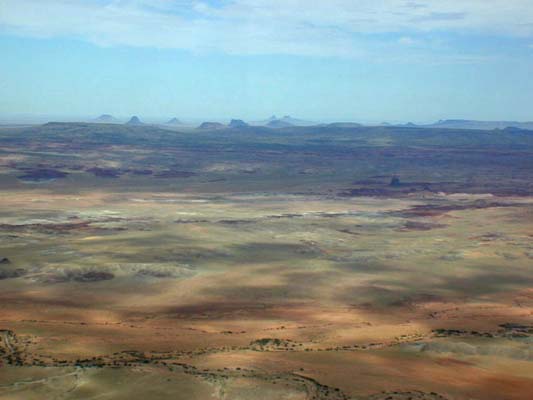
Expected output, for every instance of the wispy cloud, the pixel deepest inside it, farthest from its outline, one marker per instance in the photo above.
(324, 28)
(407, 41)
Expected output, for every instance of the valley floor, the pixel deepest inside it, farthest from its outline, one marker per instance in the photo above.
(115, 295)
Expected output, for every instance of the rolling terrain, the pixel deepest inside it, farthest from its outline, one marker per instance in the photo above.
(324, 262)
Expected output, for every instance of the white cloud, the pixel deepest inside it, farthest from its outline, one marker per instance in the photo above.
(407, 41)
(301, 27)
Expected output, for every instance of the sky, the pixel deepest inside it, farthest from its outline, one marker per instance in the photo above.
(349, 60)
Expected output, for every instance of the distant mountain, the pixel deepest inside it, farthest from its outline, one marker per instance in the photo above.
(237, 123)
(287, 120)
(106, 118)
(265, 122)
(134, 121)
(278, 123)
(211, 126)
(294, 121)
(486, 125)
(174, 121)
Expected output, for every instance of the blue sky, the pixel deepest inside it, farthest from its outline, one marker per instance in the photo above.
(360, 60)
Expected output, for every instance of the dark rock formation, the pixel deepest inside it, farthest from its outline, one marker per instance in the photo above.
(237, 123)
(134, 121)
(94, 276)
(78, 276)
(12, 273)
(395, 181)
(106, 118)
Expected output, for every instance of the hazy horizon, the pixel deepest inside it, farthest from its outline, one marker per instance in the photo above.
(151, 119)
(355, 61)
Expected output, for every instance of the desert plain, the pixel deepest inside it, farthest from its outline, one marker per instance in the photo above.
(297, 263)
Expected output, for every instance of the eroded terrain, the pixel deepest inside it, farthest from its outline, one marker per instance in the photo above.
(140, 263)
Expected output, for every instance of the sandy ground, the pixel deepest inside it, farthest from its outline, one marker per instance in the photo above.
(135, 295)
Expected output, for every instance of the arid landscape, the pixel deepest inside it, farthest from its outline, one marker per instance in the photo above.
(317, 262)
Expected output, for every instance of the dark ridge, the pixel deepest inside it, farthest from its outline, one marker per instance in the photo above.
(237, 123)
(105, 172)
(211, 125)
(344, 125)
(134, 121)
(40, 175)
(107, 118)
(174, 121)
(174, 174)
(278, 123)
